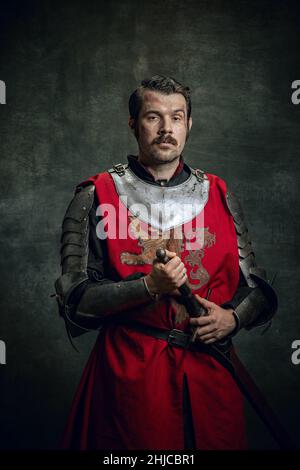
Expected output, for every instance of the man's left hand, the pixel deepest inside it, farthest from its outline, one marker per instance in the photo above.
(218, 323)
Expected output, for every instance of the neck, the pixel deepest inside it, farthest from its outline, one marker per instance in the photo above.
(161, 171)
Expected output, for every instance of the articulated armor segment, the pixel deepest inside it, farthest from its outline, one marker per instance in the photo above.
(261, 304)
(98, 300)
(75, 231)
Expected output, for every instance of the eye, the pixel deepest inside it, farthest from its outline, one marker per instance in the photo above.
(177, 118)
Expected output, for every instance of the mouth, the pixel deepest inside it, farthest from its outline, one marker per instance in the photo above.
(162, 144)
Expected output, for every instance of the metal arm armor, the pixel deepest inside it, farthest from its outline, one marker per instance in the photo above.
(261, 304)
(98, 299)
(74, 253)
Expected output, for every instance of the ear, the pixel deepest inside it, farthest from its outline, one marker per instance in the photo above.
(190, 123)
(131, 123)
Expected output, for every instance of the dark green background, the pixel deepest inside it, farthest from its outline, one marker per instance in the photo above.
(69, 69)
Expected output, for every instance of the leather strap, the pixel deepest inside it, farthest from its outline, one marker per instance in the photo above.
(179, 339)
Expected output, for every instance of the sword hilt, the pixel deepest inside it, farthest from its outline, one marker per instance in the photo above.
(192, 305)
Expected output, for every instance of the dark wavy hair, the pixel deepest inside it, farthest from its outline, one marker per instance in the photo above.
(162, 84)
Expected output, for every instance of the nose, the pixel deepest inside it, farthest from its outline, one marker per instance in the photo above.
(166, 126)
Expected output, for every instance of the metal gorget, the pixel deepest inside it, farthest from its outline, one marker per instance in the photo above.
(161, 207)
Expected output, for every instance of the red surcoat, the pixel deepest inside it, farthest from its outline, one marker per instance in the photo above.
(130, 394)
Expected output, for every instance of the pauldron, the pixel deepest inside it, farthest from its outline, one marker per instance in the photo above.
(261, 304)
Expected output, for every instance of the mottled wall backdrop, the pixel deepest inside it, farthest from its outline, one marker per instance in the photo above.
(69, 68)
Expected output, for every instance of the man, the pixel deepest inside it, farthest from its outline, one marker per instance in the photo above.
(147, 384)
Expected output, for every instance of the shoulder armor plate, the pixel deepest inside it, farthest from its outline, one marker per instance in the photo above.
(81, 203)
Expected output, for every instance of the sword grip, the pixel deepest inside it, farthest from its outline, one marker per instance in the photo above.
(192, 305)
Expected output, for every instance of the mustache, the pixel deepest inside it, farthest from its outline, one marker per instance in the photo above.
(165, 140)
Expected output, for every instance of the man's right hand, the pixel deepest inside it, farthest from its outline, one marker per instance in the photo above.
(166, 278)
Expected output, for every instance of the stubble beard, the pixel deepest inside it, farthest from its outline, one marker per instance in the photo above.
(161, 157)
